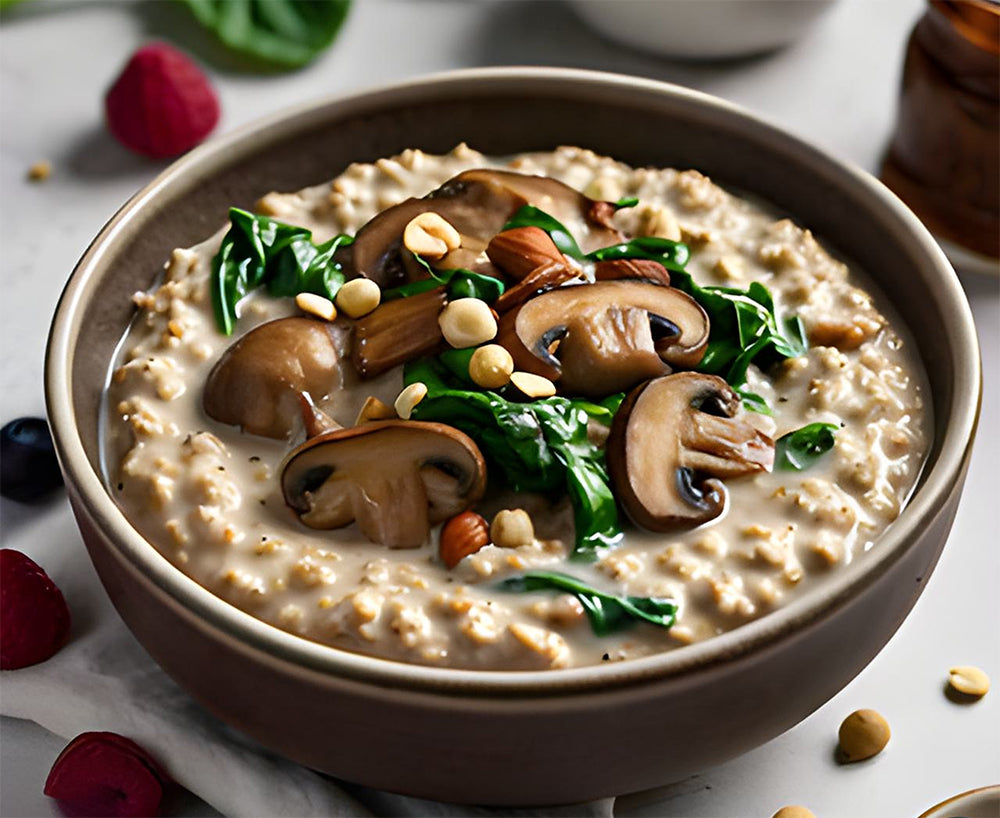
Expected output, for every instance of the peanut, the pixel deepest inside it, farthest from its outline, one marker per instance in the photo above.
(374, 409)
(491, 366)
(534, 386)
(316, 305)
(863, 734)
(969, 681)
(467, 322)
(409, 398)
(431, 235)
(512, 528)
(358, 297)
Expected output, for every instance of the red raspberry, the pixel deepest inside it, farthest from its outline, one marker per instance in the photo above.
(161, 104)
(34, 619)
(104, 774)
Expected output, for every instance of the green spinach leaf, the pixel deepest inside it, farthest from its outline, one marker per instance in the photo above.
(607, 612)
(259, 251)
(278, 33)
(531, 216)
(626, 201)
(800, 449)
(459, 282)
(539, 446)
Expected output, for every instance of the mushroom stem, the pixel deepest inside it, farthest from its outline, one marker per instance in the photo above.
(315, 420)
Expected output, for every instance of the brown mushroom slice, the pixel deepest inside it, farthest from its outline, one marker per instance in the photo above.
(597, 339)
(396, 478)
(477, 203)
(398, 331)
(257, 382)
(671, 441)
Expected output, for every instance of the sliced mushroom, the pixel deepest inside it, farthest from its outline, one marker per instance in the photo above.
(477, 203)
(257, 382)
(398, 331)
(597, 339)
(396, 478)
(670, 443)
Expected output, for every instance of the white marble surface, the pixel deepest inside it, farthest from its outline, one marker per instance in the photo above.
(836, 87)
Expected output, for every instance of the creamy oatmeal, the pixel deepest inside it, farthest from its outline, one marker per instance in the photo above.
(675, 518)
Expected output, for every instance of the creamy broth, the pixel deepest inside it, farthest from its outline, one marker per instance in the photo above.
(208, 496)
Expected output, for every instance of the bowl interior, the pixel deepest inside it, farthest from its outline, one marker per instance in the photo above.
(506, 111)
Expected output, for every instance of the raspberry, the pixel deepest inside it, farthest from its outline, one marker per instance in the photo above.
(161, 104)
(104, 774)
(34, 619)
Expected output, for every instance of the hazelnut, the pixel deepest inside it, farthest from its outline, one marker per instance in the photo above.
(512, 528)
(467, 322)
(491, 366)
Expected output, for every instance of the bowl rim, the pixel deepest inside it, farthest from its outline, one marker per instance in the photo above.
(785, 622)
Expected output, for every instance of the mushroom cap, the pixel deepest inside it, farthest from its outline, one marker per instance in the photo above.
(477, 203)
(611, 335)
(257, 382)
(672, 440)
(396, 478)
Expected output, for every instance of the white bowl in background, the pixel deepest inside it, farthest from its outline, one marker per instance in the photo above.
(703, 29)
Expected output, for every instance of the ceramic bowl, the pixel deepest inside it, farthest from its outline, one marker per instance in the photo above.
(516, 737)
(703, 29)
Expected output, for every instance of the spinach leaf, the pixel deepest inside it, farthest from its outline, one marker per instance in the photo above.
(539, 446)
(257, 250)
(743, 325)
(625, 201)
(531, 216)
(459, 282)
(607, 612)
(279, 33)
(800, 449)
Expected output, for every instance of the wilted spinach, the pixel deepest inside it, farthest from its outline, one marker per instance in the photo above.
(459, 282)
(259, 251)
(279, 33)
(538, 446)
(800, 449)
(607, 612)
(744, 327)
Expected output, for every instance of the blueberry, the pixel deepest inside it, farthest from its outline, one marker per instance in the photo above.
(28, 466)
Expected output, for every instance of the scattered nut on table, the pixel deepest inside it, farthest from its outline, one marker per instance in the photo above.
(863, 734)
(794, 811)
(969, 681)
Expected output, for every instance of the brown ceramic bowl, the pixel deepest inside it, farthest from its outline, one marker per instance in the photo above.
(519, 737)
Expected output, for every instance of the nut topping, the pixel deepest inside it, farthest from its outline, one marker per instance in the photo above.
(461, 536)
(632, 268)
(522, 250)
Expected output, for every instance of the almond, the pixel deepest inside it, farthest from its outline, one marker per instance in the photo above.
(601, 213)
(522, 249)
(549, 275)
(632, 268)
(462, 535)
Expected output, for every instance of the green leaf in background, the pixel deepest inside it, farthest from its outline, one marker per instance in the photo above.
(800, 449)
(279, 33)
(538, 446)
(607, 612)
(671, 254)
(257, 251)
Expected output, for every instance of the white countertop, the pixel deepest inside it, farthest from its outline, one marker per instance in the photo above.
(836, 87)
